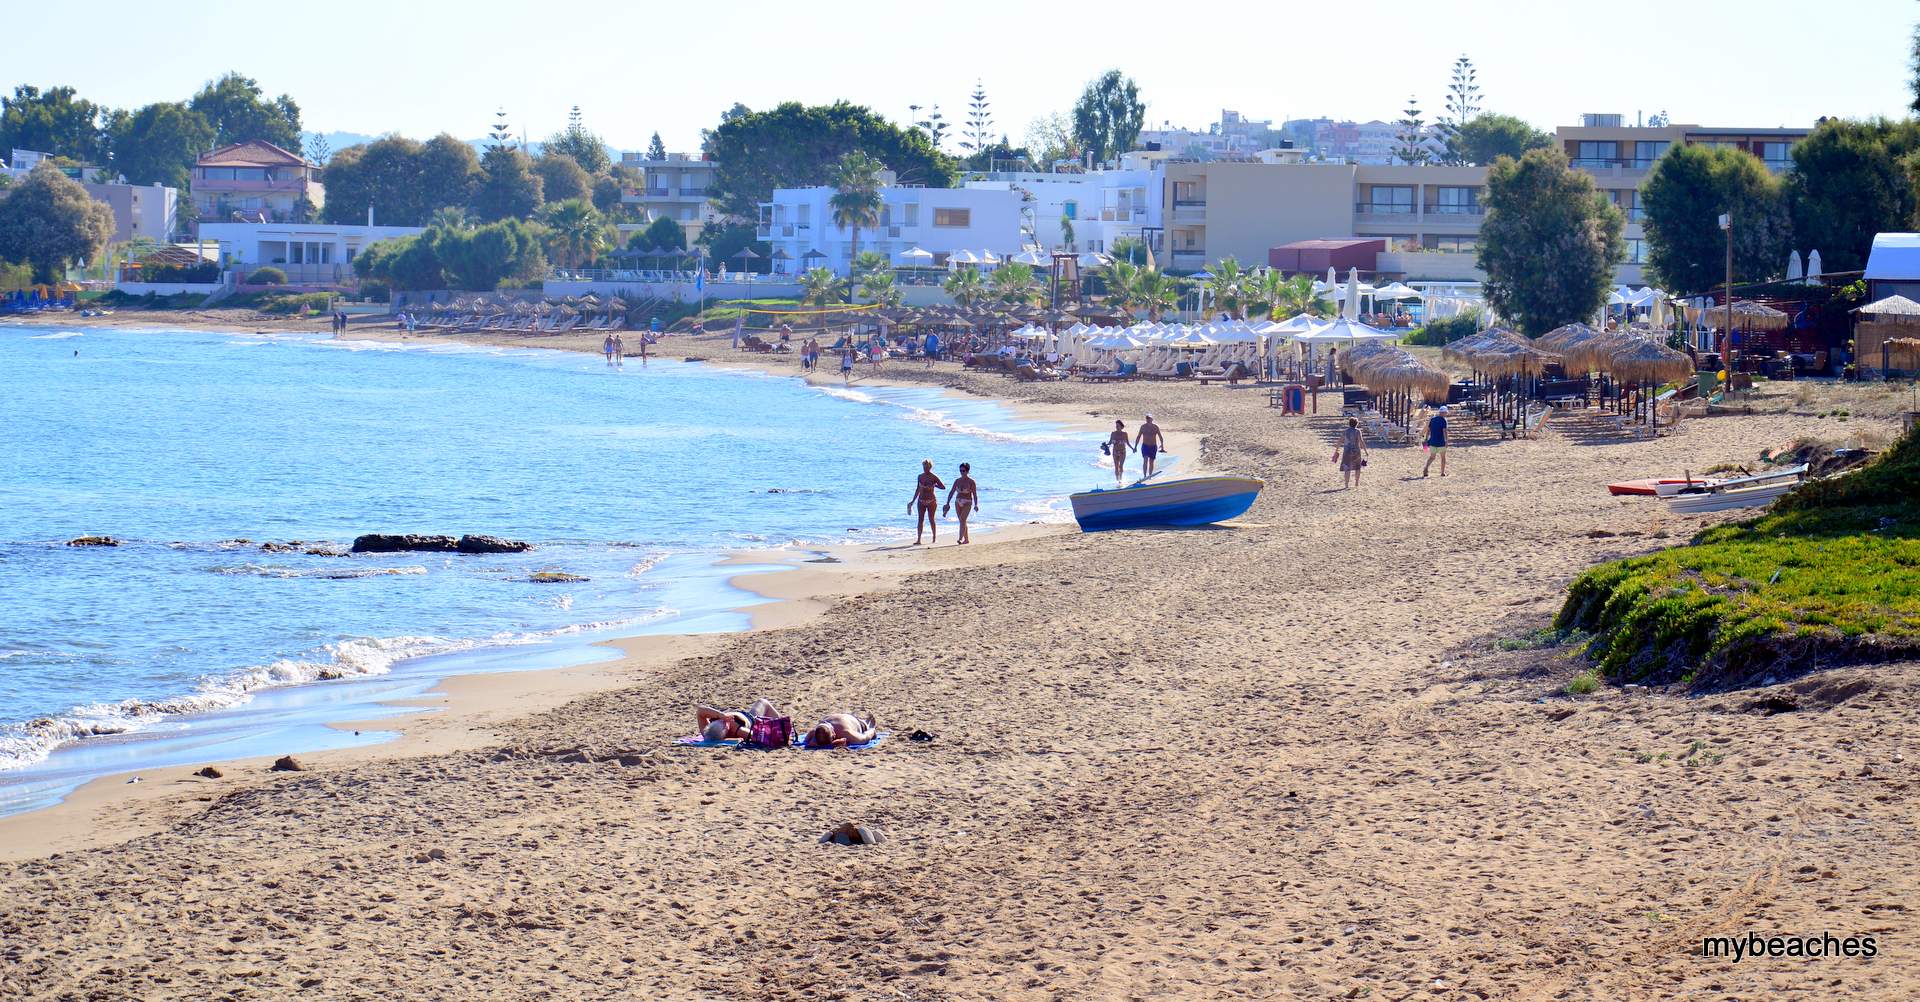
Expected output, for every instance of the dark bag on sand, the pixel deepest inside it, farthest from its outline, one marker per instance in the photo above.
(770, 732)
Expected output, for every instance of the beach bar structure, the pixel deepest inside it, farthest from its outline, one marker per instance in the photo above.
(1886, 337)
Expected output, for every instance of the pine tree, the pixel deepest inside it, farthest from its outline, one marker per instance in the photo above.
(501, 133)
(318, 149)
(1463, 103)
(1412, 140)
(936, 126)
(979, 131)
(656, 150)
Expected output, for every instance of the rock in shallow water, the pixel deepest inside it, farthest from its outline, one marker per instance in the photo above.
(383, 543)
(491, 544)
(554, 577)
(93, 541)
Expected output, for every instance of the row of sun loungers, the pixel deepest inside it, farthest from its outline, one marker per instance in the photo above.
(529, 324)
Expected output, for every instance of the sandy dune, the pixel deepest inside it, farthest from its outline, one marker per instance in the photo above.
(1281, 759)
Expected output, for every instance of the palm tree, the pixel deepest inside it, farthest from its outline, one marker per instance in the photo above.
(1228, 286)
(450, 217)
(856, 196)
(1296, 296)
(1121, 277)
(867, 261)
(965, 286)
(820, 286)
(575, 233)
(1157, 291)
(1015, 284)
(877, 286)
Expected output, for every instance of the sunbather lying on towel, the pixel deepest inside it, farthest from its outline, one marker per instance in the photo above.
(838, 730)
(725, 725)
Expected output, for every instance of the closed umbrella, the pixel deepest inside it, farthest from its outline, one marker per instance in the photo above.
(1793, 266)
(1351, 308)
(1813, 266)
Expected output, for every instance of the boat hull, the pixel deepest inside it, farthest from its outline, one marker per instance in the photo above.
(1747, 497)
(1195, 501)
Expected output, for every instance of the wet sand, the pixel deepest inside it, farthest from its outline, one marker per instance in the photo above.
(1283, 758)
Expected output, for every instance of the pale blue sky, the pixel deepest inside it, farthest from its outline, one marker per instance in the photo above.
(423, 66)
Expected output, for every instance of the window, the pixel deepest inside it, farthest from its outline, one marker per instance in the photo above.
(953, 217)
(1449, 244)
(1391, 198)
(1636, 251)
(1069, 209)
(1597, 153)
(1775, 154)
(1629, 202)
(1647, 151)
(910, 214)
(1457, 200)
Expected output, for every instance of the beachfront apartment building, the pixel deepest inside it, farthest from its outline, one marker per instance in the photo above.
(1078, 210)
(255, 181)
(139, 210)
(311, 254)
(798, 225)
(1428, 215)
(675, 188)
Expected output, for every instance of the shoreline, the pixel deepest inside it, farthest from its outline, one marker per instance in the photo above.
(463, 710)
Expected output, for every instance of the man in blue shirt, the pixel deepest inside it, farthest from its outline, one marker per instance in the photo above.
(1437, 441)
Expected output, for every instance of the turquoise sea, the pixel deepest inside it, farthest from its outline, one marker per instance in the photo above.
(190, 642)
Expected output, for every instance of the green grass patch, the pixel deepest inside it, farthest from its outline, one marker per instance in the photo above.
(1832, 573)
(1584, 684)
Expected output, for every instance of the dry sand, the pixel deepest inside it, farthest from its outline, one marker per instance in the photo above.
(1277, 759)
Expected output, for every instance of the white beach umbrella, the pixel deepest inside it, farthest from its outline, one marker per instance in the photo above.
(1093, 259)
(1397, 291)
(914, 256)
(1233, 333)
(986, 257)
(1793, 266)
(1345, 331)
(963, 256)
(1031, 256)
(1813, 266)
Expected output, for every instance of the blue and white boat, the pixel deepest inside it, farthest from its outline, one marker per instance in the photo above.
(1193, 501)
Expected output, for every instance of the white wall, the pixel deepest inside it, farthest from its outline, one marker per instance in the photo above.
(242, 241)
(993, 224)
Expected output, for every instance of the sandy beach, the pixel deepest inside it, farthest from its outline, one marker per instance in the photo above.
(1287, 757)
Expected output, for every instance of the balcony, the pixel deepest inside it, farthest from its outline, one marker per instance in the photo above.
(1473, 210)
(1382, 209)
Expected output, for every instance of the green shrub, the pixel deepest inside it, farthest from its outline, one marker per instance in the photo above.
(1583, 684)
(1830, 573)
(267, 276)
(1440, 332)
(202, 273)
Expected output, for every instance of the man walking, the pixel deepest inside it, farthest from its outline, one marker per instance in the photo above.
(1437, 441)
(1149, 440)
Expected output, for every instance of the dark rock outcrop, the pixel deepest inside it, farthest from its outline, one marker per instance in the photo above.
(287, 763)
(93, 541)
(554, 577)
(209, 773)
(383, 543)
(491, 544)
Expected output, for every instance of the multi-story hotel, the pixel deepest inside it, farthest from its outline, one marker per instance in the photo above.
(675, 188)
(256, 182)
(1429, 216)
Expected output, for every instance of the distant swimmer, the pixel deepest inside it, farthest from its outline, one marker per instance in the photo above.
(926, 495)
(1117, 445)
(1149, 440)
(963, 499)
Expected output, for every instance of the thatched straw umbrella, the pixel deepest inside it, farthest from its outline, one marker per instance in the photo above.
(1646, 364)
(1394, 376)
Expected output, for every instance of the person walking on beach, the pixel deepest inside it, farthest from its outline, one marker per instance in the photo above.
(926, 494)
(1353, 454)
(1149, 440)
(963, 499)
(606, 349)
(846, 363)
(1116, 446)
(619, 351)
(1437, 441)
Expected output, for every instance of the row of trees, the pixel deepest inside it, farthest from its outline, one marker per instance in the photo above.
(154, 143)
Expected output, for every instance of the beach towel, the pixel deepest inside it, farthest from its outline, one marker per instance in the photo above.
(799, 741)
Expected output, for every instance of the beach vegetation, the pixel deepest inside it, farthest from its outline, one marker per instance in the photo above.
(240, 111)
(878, 286)
(1550, 242)
(1228, 287)
(1016, 284)
(1108, 117)
(561, 178)
(663, 233)
(1447, 329)
(574, 233)
(268, 275)
(725, 239)
(794, 145)
(56, 120)
(855, 202)
(1831, 574)
(508, 187)
(1849, 181)
(1488, 136)
(158, 143)
(1685, 194)
(1051, 140)
(1156, 292)
(50, 223)
(1583, 684)
(580, 145)
(403, 181)
(821, 287)
(965, 285)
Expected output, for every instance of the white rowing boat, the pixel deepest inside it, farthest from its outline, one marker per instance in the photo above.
(1756, 491)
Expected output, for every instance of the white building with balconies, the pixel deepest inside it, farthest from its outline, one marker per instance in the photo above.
(1084, 210)
(799, 228)
(675, 188)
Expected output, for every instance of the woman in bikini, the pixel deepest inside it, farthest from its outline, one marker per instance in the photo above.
(841, 730)
(725, 725)
(964, 499)
(926, 496)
